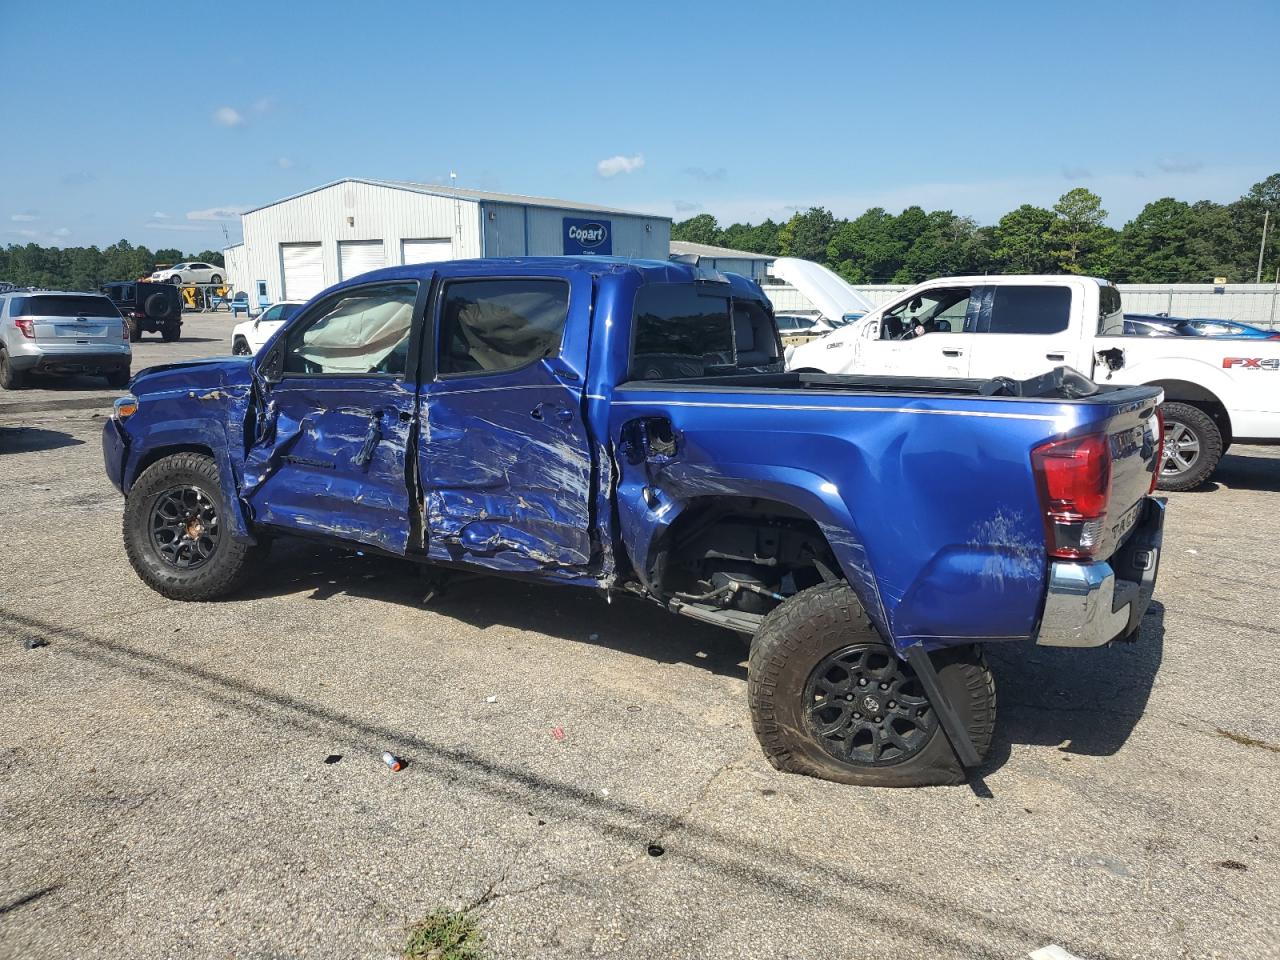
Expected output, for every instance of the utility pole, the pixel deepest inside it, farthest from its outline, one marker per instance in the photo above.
(1266, 216)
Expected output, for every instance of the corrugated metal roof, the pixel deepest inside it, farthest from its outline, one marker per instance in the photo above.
(685, 247)
(462, 193)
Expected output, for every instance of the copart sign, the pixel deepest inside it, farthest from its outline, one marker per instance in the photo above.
(587, 236)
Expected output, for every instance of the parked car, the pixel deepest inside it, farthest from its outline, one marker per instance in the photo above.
(1206, 327)
(56, 332)
(1217, 391)
(188, 272)
(625, 426)
(249, 336)
(1137, 325)
(796, 329)
(147, 308)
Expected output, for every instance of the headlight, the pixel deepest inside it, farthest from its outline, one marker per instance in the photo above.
(124, 407)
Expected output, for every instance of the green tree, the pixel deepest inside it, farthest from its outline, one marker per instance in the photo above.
(808, 234)
(867, 249)
(700, 229)
(1157, 246)
(212, 257)
(1022, 241)
(1079, 234)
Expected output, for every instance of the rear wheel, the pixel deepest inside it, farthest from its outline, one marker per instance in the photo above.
(830, 699)
(135, 330)
(216, 278)
(240, 347)
(175, 531)
(1192, 447)
(118, 379)
(170, 331)
(10, 378)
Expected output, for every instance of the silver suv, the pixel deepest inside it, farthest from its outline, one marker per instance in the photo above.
(49, 331)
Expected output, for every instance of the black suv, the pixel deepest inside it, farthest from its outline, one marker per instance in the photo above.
(147, 307)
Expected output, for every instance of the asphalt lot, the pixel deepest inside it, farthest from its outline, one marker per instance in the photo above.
(164, 790)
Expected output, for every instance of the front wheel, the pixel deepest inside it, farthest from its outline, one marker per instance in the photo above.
(830, 699)
(176, 533)
(240, 348)
(1192, 447)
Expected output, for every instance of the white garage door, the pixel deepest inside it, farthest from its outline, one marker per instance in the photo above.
(359, 256)
(425, 251)
(302, 269)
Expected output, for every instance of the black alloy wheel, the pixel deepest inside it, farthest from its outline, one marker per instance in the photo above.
(184, 527)
(867, 707)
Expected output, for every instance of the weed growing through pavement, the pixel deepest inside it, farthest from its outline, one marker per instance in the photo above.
(450, 935)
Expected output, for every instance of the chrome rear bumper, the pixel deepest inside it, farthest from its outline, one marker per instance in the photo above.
(1091, 604)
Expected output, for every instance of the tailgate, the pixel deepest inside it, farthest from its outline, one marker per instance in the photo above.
(1133, 433)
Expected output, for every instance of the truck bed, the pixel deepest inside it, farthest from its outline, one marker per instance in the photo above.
(1061, 384)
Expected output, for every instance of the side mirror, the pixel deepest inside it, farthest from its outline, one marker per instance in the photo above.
(271, 369)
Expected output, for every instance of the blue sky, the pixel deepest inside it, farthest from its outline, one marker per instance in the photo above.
(743, 110)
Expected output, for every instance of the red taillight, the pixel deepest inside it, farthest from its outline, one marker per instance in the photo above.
(1159, 464)
(27, 326)
(1075, 484)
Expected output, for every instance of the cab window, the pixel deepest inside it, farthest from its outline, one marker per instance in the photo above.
(944, 310)
(359, 330)
(489, 326)
(1028, 310)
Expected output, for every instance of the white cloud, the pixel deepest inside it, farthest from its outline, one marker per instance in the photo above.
(284, 163)
(612, 166)
(1179, 165)
(27, 216)
(263, 104)
(175, 227)
(228, 117)
(159, 215)
(229, 212)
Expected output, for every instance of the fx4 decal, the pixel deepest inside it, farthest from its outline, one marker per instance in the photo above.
(1251, 363)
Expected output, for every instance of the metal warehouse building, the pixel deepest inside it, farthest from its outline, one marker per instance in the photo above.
(298, 246)
(753, 265)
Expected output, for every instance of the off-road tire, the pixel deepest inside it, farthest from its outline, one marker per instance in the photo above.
(1206, 431)
(10, 379)
(796, 636)
(118, 379)
(135, 330)
(170, 331)
(231, 562)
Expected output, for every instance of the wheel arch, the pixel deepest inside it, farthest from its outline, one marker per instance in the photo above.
(226, 479)
(1197, 395)
(794, 493)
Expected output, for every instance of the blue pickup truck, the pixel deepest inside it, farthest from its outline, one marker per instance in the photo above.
(628, 427)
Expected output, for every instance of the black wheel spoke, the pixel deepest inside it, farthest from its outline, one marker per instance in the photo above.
(866, 707)
(184, 527)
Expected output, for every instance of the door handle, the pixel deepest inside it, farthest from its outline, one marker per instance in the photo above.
(1055, 356)
(952, 353)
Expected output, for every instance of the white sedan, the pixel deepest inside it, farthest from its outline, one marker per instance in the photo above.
(189, 271)
(248, 337)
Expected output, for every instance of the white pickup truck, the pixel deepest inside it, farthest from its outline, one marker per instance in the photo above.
(1217, 390)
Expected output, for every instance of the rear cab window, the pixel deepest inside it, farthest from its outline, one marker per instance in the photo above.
(1027, 310)
(497, 325)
